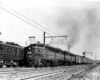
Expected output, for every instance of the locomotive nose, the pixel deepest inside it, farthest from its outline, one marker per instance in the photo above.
(29, 56)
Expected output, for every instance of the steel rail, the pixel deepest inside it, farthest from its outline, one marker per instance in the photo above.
(57, 73)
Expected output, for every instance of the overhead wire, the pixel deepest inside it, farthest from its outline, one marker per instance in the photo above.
(23, 20)
(15, 29)
(28, 19)
(26, 33)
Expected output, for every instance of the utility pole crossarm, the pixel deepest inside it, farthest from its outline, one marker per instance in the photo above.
(84, 53)
(44, 37)
(55, 36)
(89, 52)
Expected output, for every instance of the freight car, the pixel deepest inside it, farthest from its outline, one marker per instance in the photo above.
(78, 59)
(10, 54)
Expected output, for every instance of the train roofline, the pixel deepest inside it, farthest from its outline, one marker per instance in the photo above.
(12, 45)
(46, 45)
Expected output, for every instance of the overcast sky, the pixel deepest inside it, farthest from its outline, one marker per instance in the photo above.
(79, 20)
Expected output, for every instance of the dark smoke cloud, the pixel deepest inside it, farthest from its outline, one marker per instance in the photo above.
(69, 24)
(82, 27)
(81, 24)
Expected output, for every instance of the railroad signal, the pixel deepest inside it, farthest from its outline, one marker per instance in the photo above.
(84, 53)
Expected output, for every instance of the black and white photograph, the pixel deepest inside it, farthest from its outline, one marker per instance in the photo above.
(49, 40)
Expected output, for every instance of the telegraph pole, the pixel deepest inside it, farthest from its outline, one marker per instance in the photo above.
(69, 48)
(44, 37)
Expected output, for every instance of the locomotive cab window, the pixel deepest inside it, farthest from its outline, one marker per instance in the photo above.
(40, 45)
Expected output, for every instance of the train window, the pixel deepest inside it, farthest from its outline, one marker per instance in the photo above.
(9, 50)
(40, 45)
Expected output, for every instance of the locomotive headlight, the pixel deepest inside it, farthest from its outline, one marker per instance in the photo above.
(29, 52)
(29, 48)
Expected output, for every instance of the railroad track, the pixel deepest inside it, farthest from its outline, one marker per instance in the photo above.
(11, 74)
(58, 75)
(42, 76)
(77, 75)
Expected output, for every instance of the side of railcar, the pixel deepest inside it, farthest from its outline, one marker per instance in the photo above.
(60, 58)
(67, 58)
(2, 52)
(10, 55)
(89, 61)
(51, 56)
(17, 56)
(78, 59)
(84, 60)
(73, 59)
(5, 54)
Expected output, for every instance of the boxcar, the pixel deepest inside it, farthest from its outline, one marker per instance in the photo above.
(78, 59)
(73, 59)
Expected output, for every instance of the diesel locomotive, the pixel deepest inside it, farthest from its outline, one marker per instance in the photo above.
(38, 55)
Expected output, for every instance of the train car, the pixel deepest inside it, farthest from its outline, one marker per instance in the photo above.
(38, 54)
(67, 58)
(73, 59)
(89, 61)
(35, 54)
(10, 55)
(84, 60)
(44, 55)
(78, 59)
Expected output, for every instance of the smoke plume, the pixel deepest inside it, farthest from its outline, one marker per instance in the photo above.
(82, 26)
